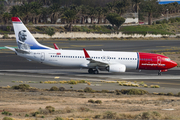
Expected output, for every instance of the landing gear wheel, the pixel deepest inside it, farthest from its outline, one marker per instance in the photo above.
(159, 73)
(90, 71)
(96, 72)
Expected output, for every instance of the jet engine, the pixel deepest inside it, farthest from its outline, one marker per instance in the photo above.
(116, 68)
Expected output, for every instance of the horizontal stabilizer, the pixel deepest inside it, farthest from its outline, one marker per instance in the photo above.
(13, 49)
(22, 51)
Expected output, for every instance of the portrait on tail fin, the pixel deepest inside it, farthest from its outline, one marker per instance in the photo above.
(22, 35)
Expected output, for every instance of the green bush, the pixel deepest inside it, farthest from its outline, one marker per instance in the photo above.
(27, 115)
(50, 109)
(109, 115)
(50, 31)
(88, 90)
(7, 118)
(21, 86)
(35, 113)
(54, 88)
(5, 36)
(6, 113)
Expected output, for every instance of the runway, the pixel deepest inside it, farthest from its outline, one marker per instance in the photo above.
(12, 66)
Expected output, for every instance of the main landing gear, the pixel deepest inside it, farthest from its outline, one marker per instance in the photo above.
(160, 73)
(91, 71)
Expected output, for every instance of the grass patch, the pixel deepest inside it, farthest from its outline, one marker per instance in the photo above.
(145, 29)
(7, 118)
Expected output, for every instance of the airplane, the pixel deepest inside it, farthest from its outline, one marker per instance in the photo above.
(111, 61)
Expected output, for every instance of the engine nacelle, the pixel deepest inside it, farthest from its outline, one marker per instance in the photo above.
(117, 68)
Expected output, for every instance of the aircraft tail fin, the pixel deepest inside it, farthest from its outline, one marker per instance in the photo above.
(55, 46)
(24, 38)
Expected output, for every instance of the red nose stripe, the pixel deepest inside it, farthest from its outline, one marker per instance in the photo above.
(15, 19)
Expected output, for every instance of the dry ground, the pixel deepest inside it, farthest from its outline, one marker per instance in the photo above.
(71, 104)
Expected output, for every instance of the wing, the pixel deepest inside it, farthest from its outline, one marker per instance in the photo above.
(94, 63)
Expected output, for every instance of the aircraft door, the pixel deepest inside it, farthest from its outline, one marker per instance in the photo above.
(158, 61)
(42, 56)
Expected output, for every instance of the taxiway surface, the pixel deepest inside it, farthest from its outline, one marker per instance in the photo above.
(12, 66)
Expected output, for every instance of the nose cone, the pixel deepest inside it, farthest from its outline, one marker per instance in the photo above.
(173, 64)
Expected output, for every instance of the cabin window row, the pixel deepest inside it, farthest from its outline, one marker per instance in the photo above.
(127, 58)
(68, 56)
(144, 59)
(93, 57)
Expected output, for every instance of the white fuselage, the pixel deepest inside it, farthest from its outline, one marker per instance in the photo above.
(76, 58)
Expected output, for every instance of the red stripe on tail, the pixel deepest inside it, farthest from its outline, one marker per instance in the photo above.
(15, 19)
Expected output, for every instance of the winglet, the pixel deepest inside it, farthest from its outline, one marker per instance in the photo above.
(55, 46)
(86, 54)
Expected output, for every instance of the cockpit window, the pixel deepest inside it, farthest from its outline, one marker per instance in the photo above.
(167, 59)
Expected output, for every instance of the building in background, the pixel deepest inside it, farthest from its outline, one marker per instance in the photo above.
(168, 1)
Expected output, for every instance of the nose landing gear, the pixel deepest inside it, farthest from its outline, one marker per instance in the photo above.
(91, 71)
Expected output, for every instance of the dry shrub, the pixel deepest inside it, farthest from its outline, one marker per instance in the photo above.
(80, 90)
(67, 110)
(170, 94)
(161, 93)
(178, 94)
(88, 90)
(72, 82)
(91, 101)
(54, 88)
(149, 116)
(84, 109)
(21, 86)
(104, 91)
(98, 101)
(58, 118)
(97, 116)
(127, 116)
(50, 109)
(155, 86)
(134, 91)
(62, 88)
(109, 115)
(43, 111)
